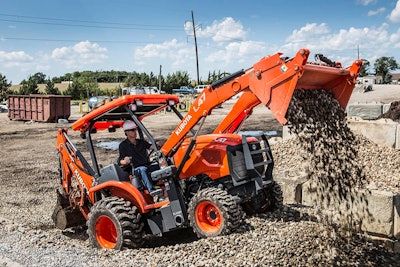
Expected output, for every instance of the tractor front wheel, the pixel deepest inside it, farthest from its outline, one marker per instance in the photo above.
(115, 223)
(213, 212)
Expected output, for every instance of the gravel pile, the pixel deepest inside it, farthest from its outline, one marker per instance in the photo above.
(294, 236)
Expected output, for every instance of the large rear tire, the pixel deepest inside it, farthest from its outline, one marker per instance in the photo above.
(115, 223)
(269, 199)
(213, 212)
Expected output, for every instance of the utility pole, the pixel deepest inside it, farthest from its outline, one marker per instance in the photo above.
(195, 44)
(159, 80)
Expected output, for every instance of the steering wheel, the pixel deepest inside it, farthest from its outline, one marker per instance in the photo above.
(153, 155)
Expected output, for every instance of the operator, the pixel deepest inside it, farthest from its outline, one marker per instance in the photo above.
(134, 151)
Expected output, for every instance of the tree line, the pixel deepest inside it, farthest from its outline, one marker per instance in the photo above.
(83, 84)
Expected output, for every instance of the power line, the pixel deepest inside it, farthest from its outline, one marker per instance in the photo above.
(71, 40)
(90, 26)
(91, 21)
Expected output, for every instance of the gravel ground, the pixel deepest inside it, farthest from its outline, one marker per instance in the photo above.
(295, 236)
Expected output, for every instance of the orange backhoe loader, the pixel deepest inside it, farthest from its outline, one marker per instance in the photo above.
(207, 179)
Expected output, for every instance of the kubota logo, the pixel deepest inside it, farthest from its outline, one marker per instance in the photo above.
(79, 177)
(183, 124)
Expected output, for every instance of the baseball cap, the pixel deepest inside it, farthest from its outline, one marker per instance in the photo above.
(129, 125)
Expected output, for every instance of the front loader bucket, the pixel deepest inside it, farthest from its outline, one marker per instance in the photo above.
(315, 76)
(65, 216)
(338, 80)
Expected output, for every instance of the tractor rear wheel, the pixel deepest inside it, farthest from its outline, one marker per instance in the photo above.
(269, 199)
(213, 212)
(115, 223)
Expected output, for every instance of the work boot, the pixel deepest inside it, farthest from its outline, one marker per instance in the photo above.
(158, 195)
(156, 192)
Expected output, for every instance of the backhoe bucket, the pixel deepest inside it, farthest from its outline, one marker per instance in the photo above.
(65, 216)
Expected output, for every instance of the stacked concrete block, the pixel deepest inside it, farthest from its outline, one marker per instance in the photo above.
(385, 108)
(378, 212)
(382, 132)
(366, 111)
(397, 146)
(291, 182)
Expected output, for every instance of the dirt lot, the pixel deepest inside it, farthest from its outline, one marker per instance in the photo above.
(28, 165)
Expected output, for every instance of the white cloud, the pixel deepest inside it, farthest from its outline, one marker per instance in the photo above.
(237, 52)
(163, 50)
(342, 45)
(376, 12)
(310, 31)
(14, 59)
(238, 55)
(395, 14)
(395, 39)
(83, 53)
(321, 37)
(366, 2)
(172, 54)
(226, 30)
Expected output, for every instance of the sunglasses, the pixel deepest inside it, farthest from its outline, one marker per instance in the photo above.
(131, 130)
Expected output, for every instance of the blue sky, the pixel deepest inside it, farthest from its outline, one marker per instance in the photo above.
(63, 36)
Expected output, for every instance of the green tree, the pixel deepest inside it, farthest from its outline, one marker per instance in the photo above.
(38, 77)
(364, 68)
(383, 66)
(76, 91)
(176, 80)
(51, 89)
(4, 87)
(29, 87)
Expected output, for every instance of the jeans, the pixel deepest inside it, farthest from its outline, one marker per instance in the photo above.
(142, 172)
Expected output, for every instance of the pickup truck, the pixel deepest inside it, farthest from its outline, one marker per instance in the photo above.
(183, 90)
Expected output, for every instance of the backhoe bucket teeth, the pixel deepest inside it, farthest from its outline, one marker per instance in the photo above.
(65, 216)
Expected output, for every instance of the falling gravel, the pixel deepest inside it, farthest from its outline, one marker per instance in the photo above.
(318, 120)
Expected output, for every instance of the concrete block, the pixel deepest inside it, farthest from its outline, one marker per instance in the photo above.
(396, 216)
(372, 210)
(381, 218)
(285, 133)
(291, 182)
(381, 132)
(385, 107)
(367, 111)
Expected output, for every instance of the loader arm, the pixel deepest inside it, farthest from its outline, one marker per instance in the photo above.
(272, 81)
(242, 109)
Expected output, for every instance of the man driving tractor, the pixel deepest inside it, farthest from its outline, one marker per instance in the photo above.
(133, 154)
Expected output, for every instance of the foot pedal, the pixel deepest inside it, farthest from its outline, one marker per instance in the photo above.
(156, 192)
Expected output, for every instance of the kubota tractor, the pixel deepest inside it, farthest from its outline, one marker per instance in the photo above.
(207, 180)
